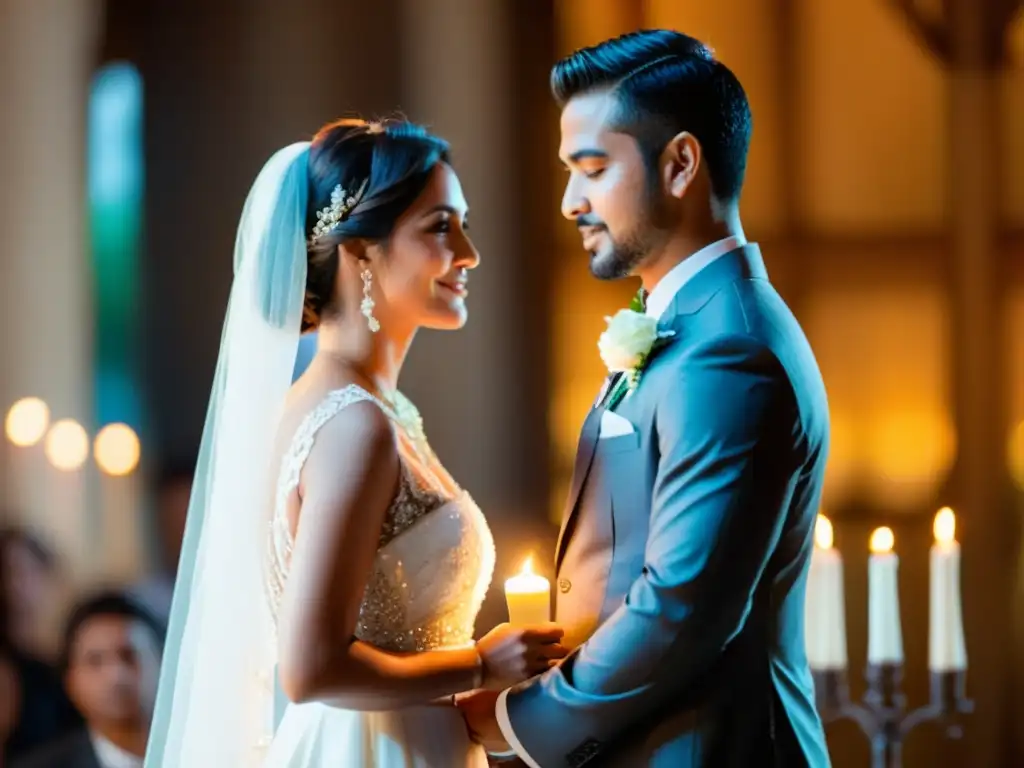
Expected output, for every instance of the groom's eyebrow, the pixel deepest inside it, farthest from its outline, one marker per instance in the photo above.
(588, 154)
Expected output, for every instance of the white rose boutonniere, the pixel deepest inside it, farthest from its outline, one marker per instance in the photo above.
(628, 342)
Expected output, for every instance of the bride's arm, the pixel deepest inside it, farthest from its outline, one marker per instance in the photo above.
(347, 485)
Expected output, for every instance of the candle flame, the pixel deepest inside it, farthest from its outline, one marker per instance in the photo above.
(882, 540)
(527, 569)
(944, 526)
(823, 534)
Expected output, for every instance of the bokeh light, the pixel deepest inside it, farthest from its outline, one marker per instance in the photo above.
(117, 449)
(67, 445)
(27, 421)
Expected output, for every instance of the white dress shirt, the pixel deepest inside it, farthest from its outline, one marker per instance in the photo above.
(657, 302)
(109, 755)
(667, 288)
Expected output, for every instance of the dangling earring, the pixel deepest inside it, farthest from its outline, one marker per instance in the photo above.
(366, 307)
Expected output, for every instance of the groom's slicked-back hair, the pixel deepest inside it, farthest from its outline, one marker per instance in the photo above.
(667, 82)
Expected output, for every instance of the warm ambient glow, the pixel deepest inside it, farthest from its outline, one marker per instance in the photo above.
(944, 526)
(823, 535)
(27, 421)
(67, 445)
(1015, 455)
(117, 449)
(882, 540)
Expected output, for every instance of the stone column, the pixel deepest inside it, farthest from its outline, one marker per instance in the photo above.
(979, 481)
(475, 71)
(227, 84)
(47, 55)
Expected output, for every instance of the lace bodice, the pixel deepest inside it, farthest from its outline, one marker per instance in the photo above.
(435, 555)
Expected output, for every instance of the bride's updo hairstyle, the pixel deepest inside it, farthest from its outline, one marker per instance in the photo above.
(382, 168)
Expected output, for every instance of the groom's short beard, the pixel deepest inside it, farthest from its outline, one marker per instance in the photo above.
(635, 248)
(621, 259)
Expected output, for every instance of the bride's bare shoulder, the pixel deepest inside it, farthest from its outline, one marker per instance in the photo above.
(312, 391)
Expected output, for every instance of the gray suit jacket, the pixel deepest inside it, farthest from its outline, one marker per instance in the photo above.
(683, 557)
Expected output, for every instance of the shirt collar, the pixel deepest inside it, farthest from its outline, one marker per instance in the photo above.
(109, 755)
(683, 272)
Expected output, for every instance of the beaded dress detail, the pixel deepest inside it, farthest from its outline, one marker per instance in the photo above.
(434, 563)
(435, 556)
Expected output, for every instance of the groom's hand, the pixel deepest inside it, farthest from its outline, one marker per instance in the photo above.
(477, 707)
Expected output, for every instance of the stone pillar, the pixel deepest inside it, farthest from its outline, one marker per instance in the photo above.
(483, 390)
(47, 50)
(258, 74)
(980, 479)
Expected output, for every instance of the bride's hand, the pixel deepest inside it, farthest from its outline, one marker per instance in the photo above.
(512, 654)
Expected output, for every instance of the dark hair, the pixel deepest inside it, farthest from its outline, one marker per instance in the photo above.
(667, 82)
(111, 603)
(5, 609)
(11, 536)
(394, 158)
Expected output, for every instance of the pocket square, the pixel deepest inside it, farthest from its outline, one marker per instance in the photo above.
(613, 425)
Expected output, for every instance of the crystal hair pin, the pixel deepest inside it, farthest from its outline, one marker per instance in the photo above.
(341, 206)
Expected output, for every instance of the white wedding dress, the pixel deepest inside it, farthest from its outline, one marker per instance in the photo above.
(433, 566)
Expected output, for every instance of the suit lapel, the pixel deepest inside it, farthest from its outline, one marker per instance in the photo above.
(743, 262)
(609, 383)
(584, 457)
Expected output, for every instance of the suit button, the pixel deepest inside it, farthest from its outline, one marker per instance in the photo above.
(564, 585)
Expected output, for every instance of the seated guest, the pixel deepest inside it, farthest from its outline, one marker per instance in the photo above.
(34, 709)
(29, 575)
(112, 649)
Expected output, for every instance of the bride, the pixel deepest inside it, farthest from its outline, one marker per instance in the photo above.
(332, 569)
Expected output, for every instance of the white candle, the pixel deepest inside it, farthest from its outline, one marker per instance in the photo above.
(885, 637)
(946, 650)
(529, 597)
(825, 609)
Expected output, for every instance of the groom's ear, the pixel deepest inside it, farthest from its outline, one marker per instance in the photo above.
(680, 162)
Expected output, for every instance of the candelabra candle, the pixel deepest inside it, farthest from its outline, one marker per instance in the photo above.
(885, 636)
(882, 715)
(946, 650)
(825, 611)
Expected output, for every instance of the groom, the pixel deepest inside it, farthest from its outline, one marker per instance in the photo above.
(683, 556)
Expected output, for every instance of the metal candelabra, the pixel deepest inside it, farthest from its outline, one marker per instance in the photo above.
(883, 716)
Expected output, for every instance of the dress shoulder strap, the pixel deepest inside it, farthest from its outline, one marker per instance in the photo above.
(280, 540)
(333, 403)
